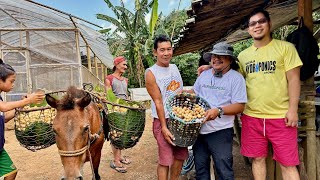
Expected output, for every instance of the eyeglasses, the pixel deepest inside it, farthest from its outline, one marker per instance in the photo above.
(260, 21)
(215, 56)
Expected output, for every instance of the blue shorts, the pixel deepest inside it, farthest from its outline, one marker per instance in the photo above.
(6, 165)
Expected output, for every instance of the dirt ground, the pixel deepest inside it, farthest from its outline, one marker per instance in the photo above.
(45, 164)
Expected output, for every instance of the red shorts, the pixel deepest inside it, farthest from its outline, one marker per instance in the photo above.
(257, 132)
(167, 153)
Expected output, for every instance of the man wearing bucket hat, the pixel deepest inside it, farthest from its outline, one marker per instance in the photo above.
(118, 84)
(225, 90)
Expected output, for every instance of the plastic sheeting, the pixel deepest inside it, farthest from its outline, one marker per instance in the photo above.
(41, 45)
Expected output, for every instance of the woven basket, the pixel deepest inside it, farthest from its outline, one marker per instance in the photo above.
(185, 133)
(33, 127)
(126, 124)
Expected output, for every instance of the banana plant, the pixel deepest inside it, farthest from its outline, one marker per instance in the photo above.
(135, 32)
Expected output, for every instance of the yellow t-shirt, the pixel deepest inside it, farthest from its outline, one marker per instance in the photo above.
(265, 72)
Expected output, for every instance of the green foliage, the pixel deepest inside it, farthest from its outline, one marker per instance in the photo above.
(135, 33)
(41, 104)
(110, 96)
(137, 44)
(154, 17)
(187, 65)
(282, 32)
(241, 45)
(176, 20)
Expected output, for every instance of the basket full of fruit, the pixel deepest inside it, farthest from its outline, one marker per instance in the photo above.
(186, 111)
(33, 127)
(126, 120)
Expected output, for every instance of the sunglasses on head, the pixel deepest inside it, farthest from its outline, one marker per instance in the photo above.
(260, 21)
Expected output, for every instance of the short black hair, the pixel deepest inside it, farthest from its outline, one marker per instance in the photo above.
(159, 39)
(5, 70)
(234, 63)
(259, 10)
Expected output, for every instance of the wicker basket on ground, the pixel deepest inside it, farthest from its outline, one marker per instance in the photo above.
(33, 127)
(126, 123)
(185, 132)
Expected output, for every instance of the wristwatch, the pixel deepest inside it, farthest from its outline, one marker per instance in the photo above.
(220, 112)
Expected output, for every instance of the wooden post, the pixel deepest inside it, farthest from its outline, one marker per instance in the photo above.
(96, 65)
(305, 11)
(102, 72)
(89, 58)
(79, 57)
(318, 158)
(28, 58)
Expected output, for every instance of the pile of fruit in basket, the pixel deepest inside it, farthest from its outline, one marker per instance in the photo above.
(25, 119)
(188, 114)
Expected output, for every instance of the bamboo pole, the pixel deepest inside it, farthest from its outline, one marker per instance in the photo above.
(78, 56)
(38, 29)
(96, 65)
(305, 11)
(102, 72)
(89, 58)
(27, 57)
(20, 36)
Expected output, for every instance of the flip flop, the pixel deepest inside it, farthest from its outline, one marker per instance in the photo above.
(125, 161)
(120, 169)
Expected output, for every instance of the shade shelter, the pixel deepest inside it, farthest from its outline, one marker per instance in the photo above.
(211, 21)
(50, 49)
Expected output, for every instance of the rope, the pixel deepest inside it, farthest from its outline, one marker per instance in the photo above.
(73, 153)
(90, 158)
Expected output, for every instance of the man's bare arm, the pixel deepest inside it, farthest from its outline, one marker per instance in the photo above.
(155, 94)
(293, 77)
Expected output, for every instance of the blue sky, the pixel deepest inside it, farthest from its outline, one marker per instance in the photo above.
(87, 9)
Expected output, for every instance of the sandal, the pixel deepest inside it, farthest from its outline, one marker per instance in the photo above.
(125, 161)
(120, 169)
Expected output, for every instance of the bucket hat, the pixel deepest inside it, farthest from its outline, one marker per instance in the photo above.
(221, 48)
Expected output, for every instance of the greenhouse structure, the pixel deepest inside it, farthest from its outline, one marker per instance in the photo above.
(50, 49)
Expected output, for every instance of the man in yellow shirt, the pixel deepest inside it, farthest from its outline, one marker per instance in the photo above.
(272, 71)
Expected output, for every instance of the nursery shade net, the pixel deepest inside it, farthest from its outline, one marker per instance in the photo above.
(44, 42)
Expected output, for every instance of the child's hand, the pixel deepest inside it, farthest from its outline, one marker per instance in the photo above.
(36, 97)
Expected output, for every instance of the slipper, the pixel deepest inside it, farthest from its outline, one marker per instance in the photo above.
(120, 169)
(125, 161)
